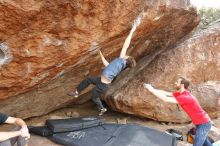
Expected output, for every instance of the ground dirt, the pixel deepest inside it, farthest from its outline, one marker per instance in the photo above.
(88, 109)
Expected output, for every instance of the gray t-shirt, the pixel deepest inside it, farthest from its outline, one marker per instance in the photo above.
(114, 68)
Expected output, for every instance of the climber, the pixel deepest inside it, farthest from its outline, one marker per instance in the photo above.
(190, 105)
(19, 135)
(110, 71)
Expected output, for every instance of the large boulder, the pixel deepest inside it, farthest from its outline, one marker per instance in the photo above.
(48, 47)
(196, 58)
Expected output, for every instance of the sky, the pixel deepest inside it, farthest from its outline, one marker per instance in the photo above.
(206, 3)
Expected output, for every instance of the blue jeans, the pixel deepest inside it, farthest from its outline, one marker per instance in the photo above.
(201, 137)
(11, 142)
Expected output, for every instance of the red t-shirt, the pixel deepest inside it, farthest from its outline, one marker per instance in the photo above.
(191, 106)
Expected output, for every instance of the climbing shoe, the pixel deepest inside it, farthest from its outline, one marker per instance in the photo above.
(102, 111)
(73, 93)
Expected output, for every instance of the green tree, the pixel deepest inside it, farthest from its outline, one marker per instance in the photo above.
(208, 15)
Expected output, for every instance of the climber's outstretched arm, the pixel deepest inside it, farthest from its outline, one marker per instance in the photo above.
(127, 42)
(104, 61)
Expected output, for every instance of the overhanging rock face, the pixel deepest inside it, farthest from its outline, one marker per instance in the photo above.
(48, 47)
(197, 58)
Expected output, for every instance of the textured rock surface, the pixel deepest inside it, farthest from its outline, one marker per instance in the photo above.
(42, 40)
(196, 58)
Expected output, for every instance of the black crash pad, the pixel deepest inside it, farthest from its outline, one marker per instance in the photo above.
(71, 124)
(115, 135)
